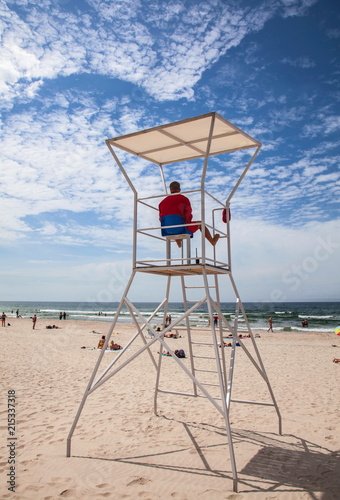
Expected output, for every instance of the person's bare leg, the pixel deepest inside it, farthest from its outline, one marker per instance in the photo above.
(212, 239)
(179, 243)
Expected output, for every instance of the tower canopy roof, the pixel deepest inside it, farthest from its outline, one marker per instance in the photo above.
(185, 140)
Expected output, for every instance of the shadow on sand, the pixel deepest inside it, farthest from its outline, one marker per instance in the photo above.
(285, 463)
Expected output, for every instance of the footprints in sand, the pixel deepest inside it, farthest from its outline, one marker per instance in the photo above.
(139, 480)
(105, 486)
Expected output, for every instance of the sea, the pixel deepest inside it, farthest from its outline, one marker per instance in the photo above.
(287, 316)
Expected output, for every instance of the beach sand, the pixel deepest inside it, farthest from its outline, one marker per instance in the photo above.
(122, 450)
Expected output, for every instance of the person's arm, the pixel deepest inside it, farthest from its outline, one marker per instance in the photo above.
(185, 209)
(160, 212)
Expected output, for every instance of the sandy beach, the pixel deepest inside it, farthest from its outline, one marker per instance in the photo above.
(122, 450)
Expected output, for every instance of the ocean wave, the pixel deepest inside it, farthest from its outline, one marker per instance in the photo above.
(322, 316)
(302, 316)
(74, 311)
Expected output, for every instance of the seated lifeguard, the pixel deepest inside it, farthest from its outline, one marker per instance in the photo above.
(177, 204)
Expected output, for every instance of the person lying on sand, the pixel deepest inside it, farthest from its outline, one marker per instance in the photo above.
(336, 360)
(114, 346)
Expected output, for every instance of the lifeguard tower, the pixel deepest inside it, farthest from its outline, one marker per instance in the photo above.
(206, 273)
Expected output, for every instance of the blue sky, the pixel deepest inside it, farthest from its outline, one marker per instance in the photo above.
(74, 73)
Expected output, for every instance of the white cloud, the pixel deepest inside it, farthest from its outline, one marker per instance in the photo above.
(329, 178)
(48, 229)
(292, 8)
(322, 126)
(293, 264)
(300, 62)
(167, 62)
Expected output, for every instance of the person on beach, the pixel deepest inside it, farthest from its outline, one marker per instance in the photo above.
(3, 319)
(34, 320)
(177, 204)
(172, 335)
(114, 346)
(101, 342)
(270, 323)
(224, 344)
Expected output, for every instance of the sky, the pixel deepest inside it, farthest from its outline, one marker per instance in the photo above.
(75, 73)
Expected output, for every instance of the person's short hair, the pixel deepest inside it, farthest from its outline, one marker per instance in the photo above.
(175, 186)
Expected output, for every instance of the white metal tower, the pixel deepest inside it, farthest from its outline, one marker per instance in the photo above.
(205, 275)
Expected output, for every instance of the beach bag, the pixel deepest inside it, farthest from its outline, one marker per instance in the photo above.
(180, 353)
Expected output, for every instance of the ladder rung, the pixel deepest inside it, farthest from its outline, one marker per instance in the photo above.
(203, 357)
(212, 385)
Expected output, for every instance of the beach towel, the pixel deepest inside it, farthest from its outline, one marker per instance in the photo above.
(106, 350)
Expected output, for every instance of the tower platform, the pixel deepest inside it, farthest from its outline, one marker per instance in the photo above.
(182, 270)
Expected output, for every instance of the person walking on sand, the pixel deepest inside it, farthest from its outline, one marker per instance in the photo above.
(270, 323)
(3, 319)
(177, 204)
(34, 320)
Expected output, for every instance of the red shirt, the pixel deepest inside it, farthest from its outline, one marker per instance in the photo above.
(176, 204)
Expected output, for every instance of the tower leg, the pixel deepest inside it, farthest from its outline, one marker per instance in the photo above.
(220, 378)
(89, 385)
(263, 370)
